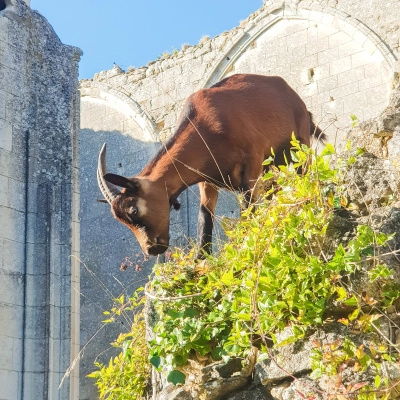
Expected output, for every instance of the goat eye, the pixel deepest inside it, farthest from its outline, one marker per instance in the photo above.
(133, 211)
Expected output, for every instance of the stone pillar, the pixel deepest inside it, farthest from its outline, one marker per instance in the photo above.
(38, 125)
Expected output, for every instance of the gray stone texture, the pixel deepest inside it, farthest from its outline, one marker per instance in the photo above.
(38, 125)
(214, 381)
(338, 65)
(339, 56)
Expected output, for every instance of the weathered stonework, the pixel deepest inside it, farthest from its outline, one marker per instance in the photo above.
(39, 111)
(337, 64)
(342, 58)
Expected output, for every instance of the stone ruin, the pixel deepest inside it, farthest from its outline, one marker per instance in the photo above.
(39, 205)
(60, 250)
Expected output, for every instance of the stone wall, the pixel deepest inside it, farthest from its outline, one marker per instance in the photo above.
(340, 56)
(39, 232)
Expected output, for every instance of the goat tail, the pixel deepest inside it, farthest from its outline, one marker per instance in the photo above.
(316, 130)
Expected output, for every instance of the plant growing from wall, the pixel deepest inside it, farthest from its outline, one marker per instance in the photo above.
(128, 374)
(276, 270)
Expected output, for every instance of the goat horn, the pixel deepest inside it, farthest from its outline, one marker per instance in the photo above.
(109, 191)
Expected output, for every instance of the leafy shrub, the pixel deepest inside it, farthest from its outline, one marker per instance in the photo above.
(274, 271)
(127, 375)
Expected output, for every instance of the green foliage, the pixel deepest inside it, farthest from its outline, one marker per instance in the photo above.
(273, 272)
(176, 377)
(276, 270)
(126, 375)
(355, 120)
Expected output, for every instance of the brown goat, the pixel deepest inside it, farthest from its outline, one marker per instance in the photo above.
(223, 136)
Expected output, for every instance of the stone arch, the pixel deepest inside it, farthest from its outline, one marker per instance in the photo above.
(351, 73)
(107, 115)
(275, 13)
(101, 94)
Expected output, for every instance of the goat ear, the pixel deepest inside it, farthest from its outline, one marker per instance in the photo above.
(121, 181)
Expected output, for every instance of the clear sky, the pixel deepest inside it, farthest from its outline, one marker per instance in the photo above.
(133, 32)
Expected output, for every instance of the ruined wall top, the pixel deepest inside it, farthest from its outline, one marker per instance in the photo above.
(379, 16)
(39, 111)
(340, 56)
(312, 44)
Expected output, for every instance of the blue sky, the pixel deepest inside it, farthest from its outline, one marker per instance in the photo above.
(133, 32)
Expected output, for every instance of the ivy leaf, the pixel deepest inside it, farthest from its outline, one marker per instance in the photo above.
(352, 301)
(342, 294)
(293, 156)
(359, 151)
(298, 331)
(360, 352)
(328, 150)
(268, 161)
(190, 312)
(244, 316)
(176, 377)
(227, 278)
(180, 359)
(155, 361)
(289, 340)
(354, 119)
(354, 314)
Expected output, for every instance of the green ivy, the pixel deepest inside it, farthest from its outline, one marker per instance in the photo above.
(277, 269)
(274, 271)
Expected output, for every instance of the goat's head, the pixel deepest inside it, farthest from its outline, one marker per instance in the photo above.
(141, 205)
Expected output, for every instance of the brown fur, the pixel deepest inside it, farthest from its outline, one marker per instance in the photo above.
(223, 136)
